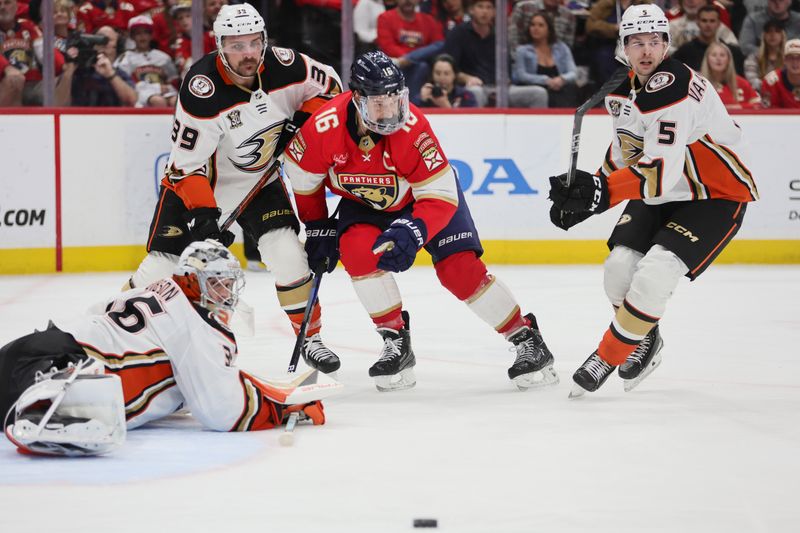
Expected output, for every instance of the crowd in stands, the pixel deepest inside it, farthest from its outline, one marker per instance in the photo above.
(135, 53)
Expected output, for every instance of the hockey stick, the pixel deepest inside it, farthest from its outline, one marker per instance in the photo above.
(611, 84)
(276, 164)
(312, 298)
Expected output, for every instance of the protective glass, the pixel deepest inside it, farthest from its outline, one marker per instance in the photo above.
(384, 113)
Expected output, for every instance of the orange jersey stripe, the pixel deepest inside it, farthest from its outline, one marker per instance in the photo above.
(721, 172)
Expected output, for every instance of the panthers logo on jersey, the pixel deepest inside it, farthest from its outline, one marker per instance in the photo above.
(377, 191)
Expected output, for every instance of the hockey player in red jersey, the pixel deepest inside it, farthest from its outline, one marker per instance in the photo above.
(399, 194)
(141, 356)
(235, 109)
(675, 156)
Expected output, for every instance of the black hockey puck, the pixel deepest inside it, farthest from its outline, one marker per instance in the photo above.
(425, 522)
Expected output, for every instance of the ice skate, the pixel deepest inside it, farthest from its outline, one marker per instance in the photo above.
(394, 370)
(533, 367)
(591, 375)
(317, 355)
(644, 359)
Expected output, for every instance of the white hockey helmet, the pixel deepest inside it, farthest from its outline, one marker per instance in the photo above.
(75, 411)
(210, 274)
(642, 18)
(240, 19)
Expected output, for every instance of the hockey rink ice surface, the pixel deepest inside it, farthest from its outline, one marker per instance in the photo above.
(709, 442)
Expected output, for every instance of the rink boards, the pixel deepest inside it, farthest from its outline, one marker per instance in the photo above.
(78, 188)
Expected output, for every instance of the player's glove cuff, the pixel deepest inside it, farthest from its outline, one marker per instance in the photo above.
(588, 192)
(400, 243)
(322, 244)
(203, 224)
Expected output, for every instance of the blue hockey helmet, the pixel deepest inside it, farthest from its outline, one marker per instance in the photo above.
(380, 92)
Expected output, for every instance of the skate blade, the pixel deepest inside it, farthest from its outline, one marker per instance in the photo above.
(546, 377)
(405, 379)
(631, 384)
(577, 391)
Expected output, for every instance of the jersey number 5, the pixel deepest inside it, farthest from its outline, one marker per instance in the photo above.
(666, 132)
(188, 136)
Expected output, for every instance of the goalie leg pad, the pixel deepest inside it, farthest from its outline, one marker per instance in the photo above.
(72, 412)
(155, 266)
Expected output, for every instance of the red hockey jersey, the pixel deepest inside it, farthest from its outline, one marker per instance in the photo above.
(385, 173)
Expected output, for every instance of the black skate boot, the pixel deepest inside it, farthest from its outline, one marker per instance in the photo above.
(396, 361)
(534, 364)
(644, 359)
(591, 375)
(317, 355)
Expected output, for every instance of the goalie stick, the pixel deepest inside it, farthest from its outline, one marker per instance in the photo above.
(611, 84)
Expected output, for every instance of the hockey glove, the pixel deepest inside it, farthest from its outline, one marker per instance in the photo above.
(322, 244)
(400, 244)
(565, 219)
(203, 224)
(587, 193)
(290, 128)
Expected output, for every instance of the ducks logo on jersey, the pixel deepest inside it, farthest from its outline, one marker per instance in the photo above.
(260, 147)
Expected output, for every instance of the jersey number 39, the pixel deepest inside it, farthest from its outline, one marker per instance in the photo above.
(188, 136)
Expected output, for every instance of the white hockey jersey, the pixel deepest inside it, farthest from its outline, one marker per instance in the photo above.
(673, 141)
(227, 133)
(171, 353)
(153, 66)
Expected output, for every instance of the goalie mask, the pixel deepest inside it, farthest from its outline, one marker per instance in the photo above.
(208, 273)
(75, 411)
(241, 19)
(642, 18)
(380, 93)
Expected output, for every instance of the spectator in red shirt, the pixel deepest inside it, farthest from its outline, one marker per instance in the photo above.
(12, 81)
(164, 28)
(411, 39)
(21, 44)
(781, 87)
(92, 15)
(734, 91)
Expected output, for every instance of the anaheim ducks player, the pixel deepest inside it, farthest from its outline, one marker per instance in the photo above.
(232, 111)
(399, 194)
(161, 347)
(675, 155)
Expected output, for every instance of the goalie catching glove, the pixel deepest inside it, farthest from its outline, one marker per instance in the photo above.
(588, 193)
(400, 243)
(203, 224)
